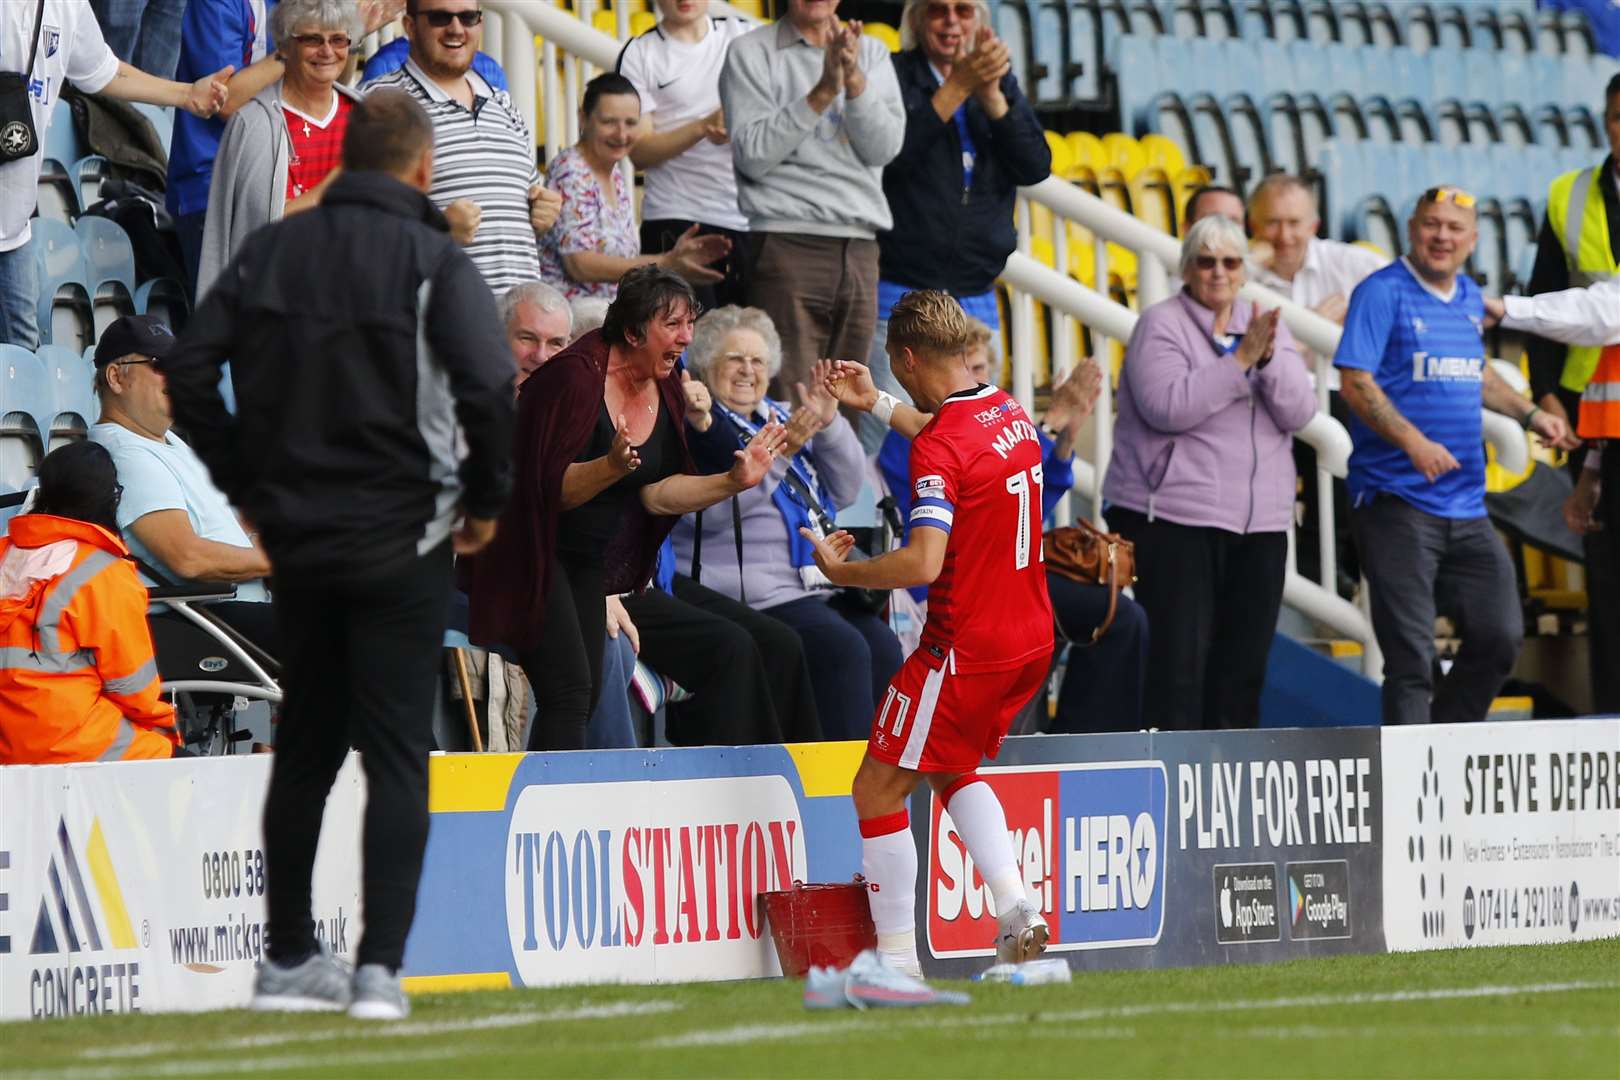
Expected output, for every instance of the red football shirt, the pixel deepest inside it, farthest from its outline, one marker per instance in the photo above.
(976, 474)
(317, 145)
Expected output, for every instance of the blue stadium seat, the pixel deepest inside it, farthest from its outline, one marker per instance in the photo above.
(1484, 28)
(1451, 26)
(1417, 123)
(1383, 125)
(1086, 33)
(73, 397)
(1321, 22)
(162, 119)
(65, 316)
(1490, 259)
(1514, 126)
(1050, 39)
(165, 299)
(1414, 76)
(1011, 21)
(1185, 19)
(1135, 63)
(1344, 182)
(1354, 27)
(1247, 125)
(1384, 28)
(1518, 31)
(62, 142)
(1419, 30)
(1220, 19)
(25, 396)
(109, 268)
(87, 174)
(1450, 122)
(1274, 66)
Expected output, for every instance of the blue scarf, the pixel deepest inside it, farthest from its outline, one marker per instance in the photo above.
(795, 510)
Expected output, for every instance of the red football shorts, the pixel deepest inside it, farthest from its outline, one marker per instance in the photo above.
(935, 720)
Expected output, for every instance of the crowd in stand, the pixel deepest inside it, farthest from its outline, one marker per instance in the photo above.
(674, 426)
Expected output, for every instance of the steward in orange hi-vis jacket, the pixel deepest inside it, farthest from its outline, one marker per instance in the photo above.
(78, 680)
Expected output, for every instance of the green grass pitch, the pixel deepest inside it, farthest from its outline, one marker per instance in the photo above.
(1528, 1011)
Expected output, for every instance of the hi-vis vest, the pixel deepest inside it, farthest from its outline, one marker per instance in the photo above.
(1576, 213)
(78, 681)
(1600, 401)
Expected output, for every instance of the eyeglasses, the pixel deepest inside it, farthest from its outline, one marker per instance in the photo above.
(964, 12)
(1230, 263)
(742, 358)
(441, 19)
(338, 42)
(155, 361)
(1449, 194)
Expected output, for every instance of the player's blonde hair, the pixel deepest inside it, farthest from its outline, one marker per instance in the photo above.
(932, 322)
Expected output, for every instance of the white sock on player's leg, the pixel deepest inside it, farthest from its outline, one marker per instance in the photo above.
(983, 828)
(889, 862)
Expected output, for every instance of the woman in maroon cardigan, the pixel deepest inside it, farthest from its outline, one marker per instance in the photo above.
(603, 473)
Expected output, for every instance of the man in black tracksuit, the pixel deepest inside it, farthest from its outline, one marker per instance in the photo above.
(359, 335)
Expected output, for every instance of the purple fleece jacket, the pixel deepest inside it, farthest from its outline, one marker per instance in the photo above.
(1199, 441)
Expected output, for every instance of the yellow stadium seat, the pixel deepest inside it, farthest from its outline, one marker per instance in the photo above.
(1152, 199)
(1163, 153)
(1087, 150)
(1040, 249)
(753, 8)
(641, 22)
(884, 33)
(605, 22)
(1062, 157)
(1182, 185)
(1370, 246)
(1124, 153)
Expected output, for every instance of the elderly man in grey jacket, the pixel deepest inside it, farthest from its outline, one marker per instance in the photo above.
(814, 112)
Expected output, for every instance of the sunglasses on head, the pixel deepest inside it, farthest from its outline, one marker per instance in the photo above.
(440, 19)
(338, 42)
(1230, 263)
(1449, 194)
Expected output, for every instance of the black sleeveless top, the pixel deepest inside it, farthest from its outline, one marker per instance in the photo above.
(584, 531)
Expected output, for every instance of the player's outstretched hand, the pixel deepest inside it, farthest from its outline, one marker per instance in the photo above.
(831, 553)
(754, 460)
(851, 384)
(1495, 308)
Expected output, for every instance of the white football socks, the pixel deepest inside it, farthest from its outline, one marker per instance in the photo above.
(889, 863)
(983, 828)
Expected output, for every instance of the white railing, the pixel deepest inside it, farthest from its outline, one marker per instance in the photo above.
(547, 90)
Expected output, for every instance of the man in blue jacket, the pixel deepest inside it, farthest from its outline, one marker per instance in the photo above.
(972, 140)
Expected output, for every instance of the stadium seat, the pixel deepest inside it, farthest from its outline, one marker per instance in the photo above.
(1011, 20)
(1416, 124)
(62, 142)
(1514, 127)
(1489, 263)
(1220, 19)
(1419, 30)
(87, 174)
(73, 402)
(884, 33)
(1584, 130)
(165, 299)
(1381, 122)
(65, 316)
(1247, 129)
(1518, 32)
(58, 196)
(108, 254)
(162, 120)
(1050, 41)
(1086, 34)
(25, 396)
(1452, 29)
(1321, 21)
(1383, 29)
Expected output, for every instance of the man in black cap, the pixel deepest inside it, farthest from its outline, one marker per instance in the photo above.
(172, 516)
(360, 337)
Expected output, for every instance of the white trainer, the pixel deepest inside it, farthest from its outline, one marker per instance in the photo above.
(1021, 934)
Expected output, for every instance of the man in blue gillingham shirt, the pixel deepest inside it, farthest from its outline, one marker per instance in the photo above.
(1414, 374)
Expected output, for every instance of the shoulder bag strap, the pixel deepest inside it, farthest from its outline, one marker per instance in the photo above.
(33, 52)
(697, 547)
(736, 533)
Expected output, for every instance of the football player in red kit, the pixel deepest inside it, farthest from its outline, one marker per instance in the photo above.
(976, 543)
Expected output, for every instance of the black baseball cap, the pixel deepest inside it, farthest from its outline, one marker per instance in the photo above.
(143, 335)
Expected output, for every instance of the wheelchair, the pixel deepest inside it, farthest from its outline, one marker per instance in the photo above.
(211, 673)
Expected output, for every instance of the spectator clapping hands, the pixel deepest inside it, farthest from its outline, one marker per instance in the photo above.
(849, 51)
(692, 255)
(817, 409)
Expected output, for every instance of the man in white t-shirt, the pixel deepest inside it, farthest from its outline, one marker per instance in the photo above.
(1316, 273)
(71, 49)
(675, 67)
(171, 514)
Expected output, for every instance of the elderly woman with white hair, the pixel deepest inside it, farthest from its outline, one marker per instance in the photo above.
(1202, 481)
(281, 149)
(766, 563)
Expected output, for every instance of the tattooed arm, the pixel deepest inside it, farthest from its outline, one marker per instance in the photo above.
(1369, 402)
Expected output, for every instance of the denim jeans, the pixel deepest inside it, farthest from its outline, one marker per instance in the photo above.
(143, 33)
(611, 726)
(19, 298)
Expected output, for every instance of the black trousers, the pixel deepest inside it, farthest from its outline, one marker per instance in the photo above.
(1418, 564)
(360, 660)
(746, 670)
(565, 668)
(254, 621)
(852, 656)
(1103, 683)
(1212, 598)
(660, 235)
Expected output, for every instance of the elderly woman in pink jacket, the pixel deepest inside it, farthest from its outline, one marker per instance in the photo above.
(1202, 481)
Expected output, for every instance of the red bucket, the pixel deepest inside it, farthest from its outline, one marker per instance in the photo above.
(825, 925)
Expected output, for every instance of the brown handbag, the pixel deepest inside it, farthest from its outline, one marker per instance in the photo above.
(1081, 552)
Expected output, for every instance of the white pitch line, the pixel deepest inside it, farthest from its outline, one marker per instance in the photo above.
(409, 1029)
(323, 1061)
(954, 1018)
